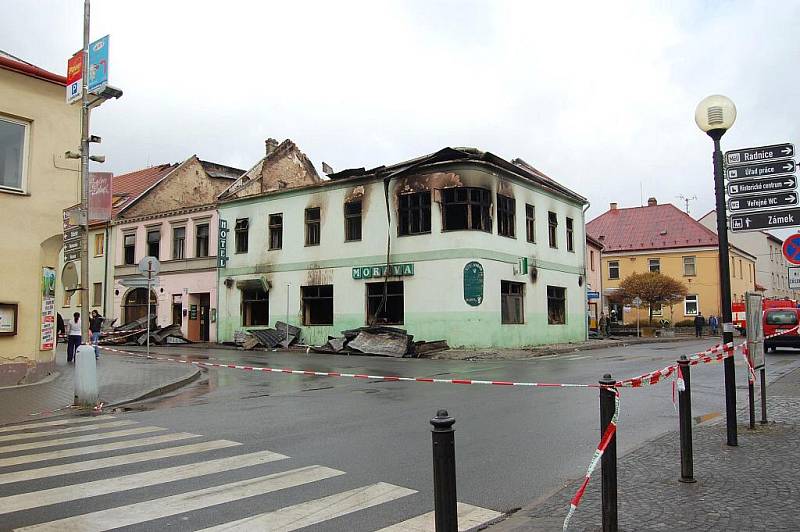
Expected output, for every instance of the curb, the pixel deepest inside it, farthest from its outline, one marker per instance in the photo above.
(49, 378)
(615, 343)
(160, 390)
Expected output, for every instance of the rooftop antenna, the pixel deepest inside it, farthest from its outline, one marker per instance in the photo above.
(686, 200)
(641, 195)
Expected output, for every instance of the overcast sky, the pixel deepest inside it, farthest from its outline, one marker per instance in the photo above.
(598, 95)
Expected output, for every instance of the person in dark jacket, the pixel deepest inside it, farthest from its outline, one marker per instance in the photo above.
(699, 323)
(95, 325)
(60, 329)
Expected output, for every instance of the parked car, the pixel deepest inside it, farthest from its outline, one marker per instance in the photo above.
(777, 320)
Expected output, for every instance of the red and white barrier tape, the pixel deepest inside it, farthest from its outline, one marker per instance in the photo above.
(385, 378)
(608, 434)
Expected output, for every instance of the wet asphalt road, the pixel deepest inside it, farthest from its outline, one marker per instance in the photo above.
(513, 445)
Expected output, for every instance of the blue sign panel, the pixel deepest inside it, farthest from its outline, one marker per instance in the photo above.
(593, 295)
(98, 64)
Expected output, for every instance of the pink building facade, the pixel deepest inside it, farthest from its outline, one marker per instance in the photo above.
(186, 292)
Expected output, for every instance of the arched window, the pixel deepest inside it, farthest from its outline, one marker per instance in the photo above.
(134, 306)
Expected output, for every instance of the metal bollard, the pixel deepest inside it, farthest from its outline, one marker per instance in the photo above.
(685, 422)
(763, 396)
(444, 472)
(85, 379)
(608, 463)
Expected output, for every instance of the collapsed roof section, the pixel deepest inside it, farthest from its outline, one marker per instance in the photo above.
(283, 166)
(516, 167)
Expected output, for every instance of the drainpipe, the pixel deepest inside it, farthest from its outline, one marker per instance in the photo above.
(586, 272)
(386, 181)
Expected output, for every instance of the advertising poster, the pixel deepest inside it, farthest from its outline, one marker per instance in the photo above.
(100, 195)
(98, 64)
(48, 317)
(74, 72)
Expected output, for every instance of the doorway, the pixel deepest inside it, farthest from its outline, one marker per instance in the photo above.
(205, 311)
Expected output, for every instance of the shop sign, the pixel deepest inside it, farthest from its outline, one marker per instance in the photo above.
(473, 283)
(222, 244)
(376, 272)
(48, 316)
(192, 312)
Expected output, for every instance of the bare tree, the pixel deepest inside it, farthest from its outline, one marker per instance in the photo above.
(653, 288)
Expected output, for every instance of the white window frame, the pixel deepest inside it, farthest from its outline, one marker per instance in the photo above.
(609, 269)
(696, 305)
(694, 265)
(651, 262)
(26, 142)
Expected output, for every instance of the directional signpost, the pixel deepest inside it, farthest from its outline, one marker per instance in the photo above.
(761, 170)
(762, 201)
(760, 179)
(759, 155)
(755, 186)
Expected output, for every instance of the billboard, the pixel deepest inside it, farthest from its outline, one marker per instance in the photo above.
(100, 196)
(74, 77)
(97, 69)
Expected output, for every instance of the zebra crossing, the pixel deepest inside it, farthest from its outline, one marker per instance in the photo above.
(130, 458)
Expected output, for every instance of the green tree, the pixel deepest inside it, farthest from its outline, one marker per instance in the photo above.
(653, 288)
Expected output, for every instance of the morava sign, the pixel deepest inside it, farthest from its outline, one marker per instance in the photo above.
(377, 272)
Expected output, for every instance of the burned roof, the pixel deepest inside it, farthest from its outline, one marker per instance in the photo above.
(221, 171)
(517, 167)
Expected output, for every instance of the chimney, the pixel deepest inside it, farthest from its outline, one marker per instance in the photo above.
(270, 144)
(651, 202)
(613, 206)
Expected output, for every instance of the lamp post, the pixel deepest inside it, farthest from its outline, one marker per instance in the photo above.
(714, 116)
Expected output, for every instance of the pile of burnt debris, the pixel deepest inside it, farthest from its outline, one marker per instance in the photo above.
(271, 338)
(135, 333)
(380, 341)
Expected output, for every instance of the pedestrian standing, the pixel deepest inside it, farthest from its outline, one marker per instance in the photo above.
(603, 325)
(699, 323)
(60, 329)
(95, 325)
(73, 336)
(713, 322)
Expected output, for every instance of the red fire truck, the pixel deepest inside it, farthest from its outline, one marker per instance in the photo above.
(740, 316)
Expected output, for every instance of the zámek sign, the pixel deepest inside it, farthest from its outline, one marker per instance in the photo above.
(376, 272)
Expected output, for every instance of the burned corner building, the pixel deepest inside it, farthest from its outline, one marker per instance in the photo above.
(459, 245)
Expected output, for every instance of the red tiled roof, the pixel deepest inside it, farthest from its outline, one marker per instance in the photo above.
(134, 184)
(648, 228)
(9, 62)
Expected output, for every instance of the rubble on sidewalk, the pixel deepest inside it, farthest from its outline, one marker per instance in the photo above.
(380, 341)
(135, 333)
(271, 338)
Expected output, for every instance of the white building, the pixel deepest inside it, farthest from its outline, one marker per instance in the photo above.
(771, 266)
(480, 251)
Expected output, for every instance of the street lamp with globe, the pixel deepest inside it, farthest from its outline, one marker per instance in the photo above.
(715, 115)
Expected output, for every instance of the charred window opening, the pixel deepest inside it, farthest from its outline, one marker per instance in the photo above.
(312, 226)
(552, 225)
(385, 307)
(512, 307)
(201, 241)
(570, 235)
(317, 304)
(556, 305)
(154, 243)
(130, 248)
(242, 234)
(255, 307)
(505, 215)
(276, 231)
(530, 223)
(466, 208)
(415, 213)
(352, 221)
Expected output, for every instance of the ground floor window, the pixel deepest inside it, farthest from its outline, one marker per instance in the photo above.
(690, 305)
(255, 307)
(511, 302)
(134, 305)
(556, 305)
(317, 304)
(385, 303)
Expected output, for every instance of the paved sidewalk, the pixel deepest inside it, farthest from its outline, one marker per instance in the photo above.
(749, 487)
(492, 353)
(120, 379)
